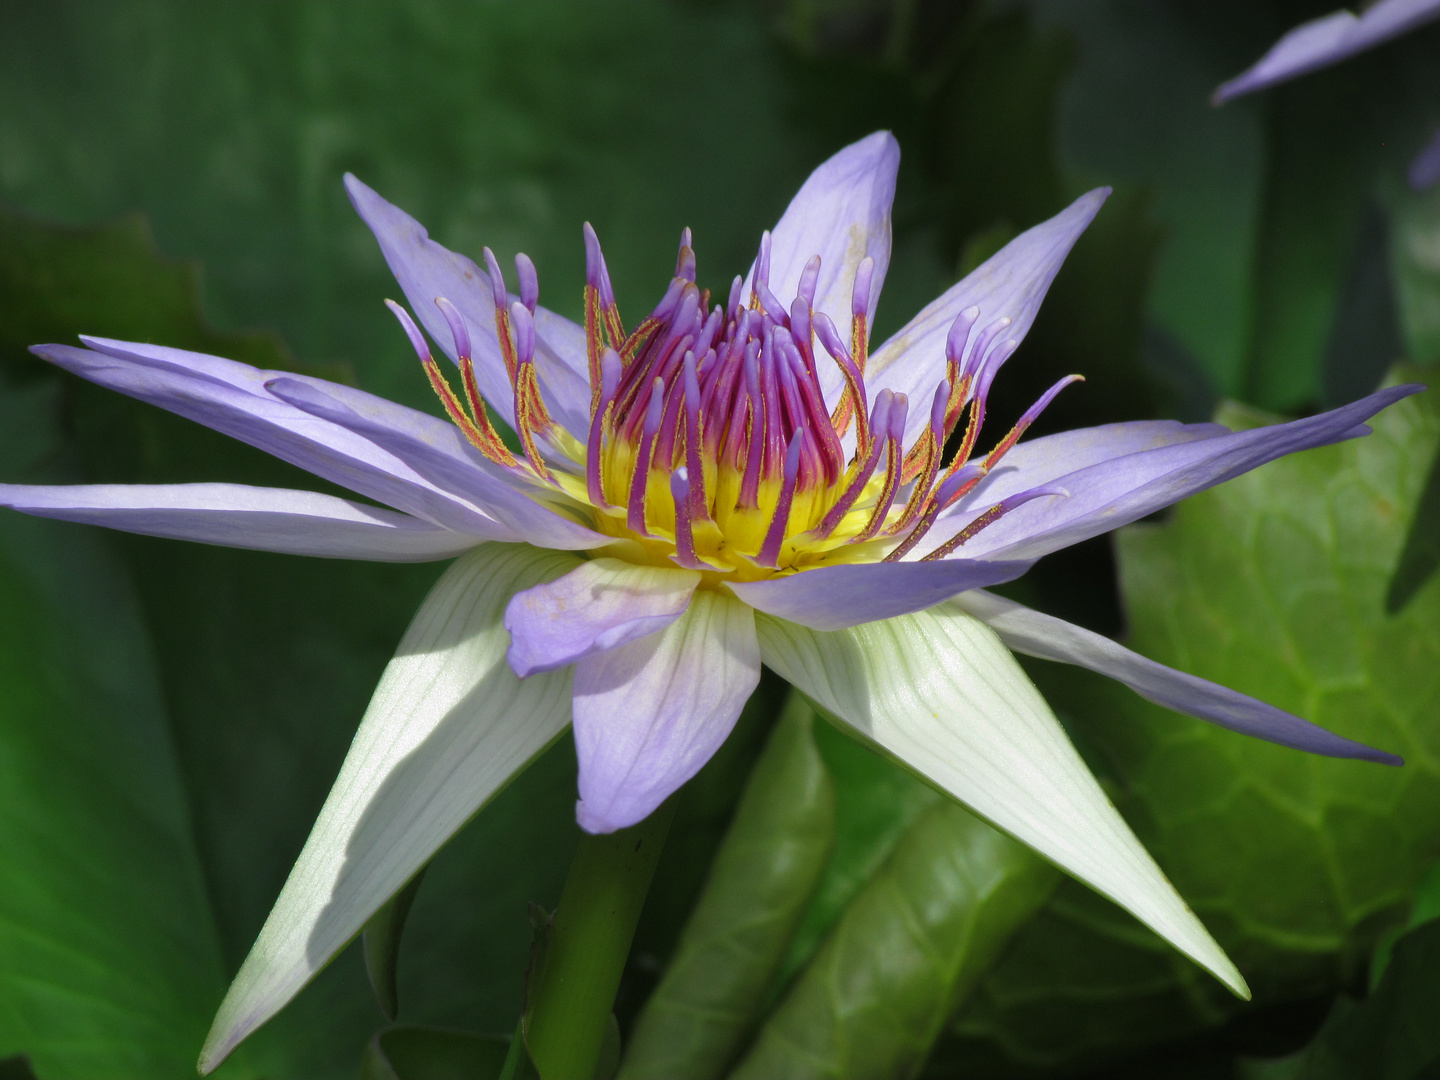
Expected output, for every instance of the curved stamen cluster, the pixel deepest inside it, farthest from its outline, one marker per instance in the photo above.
(710, 441)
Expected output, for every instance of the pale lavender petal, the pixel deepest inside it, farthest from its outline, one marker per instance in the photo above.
(1035, 634)
(842, 214)
(1328, 40)
(452, 464)
(426, 270)
(178, 381)
(650, 714)
(836, 597)
(235, 515)
(1039, 462)
(1114, 493)
(1424, 170)
(1010, 284)
(601, 605)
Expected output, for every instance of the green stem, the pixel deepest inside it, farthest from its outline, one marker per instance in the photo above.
(571, 995)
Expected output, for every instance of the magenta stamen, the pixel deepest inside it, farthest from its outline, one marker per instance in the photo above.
(762, 267)
(670, 300)
(894, 457)
(687, 316)
(684, 536)
(458, 330)
(879, 421)
(770, 550)
(417, 339)
(840, 353)
(801, 333)
(635, 513)
(774, 424)
(670, 423)
(958, 336)
(937, 412)
(524, 325)
(693, 461)
(974, 365)
(809, 276)
(529, 281)
(755, 453)
(950, 490)
(988, 517)
(708, 332)
(832, 454)
(860, 294)
(610, 367)
(497, 282)
(770, 303)
(597, 275)
(732, 306)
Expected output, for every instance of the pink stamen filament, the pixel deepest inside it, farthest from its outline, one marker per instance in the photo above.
(770, 550)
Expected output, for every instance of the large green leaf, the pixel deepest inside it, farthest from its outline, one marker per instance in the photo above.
(108, 954)
(1274, 584)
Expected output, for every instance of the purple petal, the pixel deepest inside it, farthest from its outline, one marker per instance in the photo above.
(1424, 170)
(599, 606)
(444, 458)
(1049, 638)
(835, 597)
(1328, 40)
(1039, 462)
(842, 214)
(234, 515)
(650, 714)
(1114, 493)
(1011, 283)
(179, 381)
(425, 270)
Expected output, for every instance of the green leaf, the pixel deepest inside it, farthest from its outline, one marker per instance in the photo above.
(381, 939)
(1274, 584)
(909, 948)
(1395, 1033)
(1425, 907)
(109, 960)
(417, 1052)
(760, 882)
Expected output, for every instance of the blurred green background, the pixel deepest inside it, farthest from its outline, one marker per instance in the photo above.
(171, 716)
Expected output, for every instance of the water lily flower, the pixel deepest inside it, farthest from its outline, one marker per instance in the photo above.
(709, 488)
(1330, 39)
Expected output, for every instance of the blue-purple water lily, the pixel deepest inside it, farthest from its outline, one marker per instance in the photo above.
(716, 488)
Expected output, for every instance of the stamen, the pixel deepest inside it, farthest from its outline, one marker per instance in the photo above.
(762, 269)
(859, 312)
(732, 306)
(898, 410)
(635, 516)
(755, 453)
(949, 490)
(502, 320)
(1029, 417)
(809, 277)
(693, 462)
(879, 421)
(684, 534)
(484, 439)
(852, 402)
(831, 452)
(685, 260)
(529, 281)
(990, 516)
(770, 303)
(960, 378)
(610, 367)
(601, 313)
(529, 409)
(926, 452)
(802, 334)
(770, 549)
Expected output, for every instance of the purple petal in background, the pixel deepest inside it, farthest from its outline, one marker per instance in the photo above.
(1049, 638)
(1328, 40)
(601, 605)
(1012, 283)
(234, 515)
(1114, 493)
(1424, 170)
(835, 597)
(649, 714)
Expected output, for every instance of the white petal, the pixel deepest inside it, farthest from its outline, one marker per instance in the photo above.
(448, 727)
(938, 691)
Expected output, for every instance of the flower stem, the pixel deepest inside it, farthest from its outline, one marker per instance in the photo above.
(572, 992)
